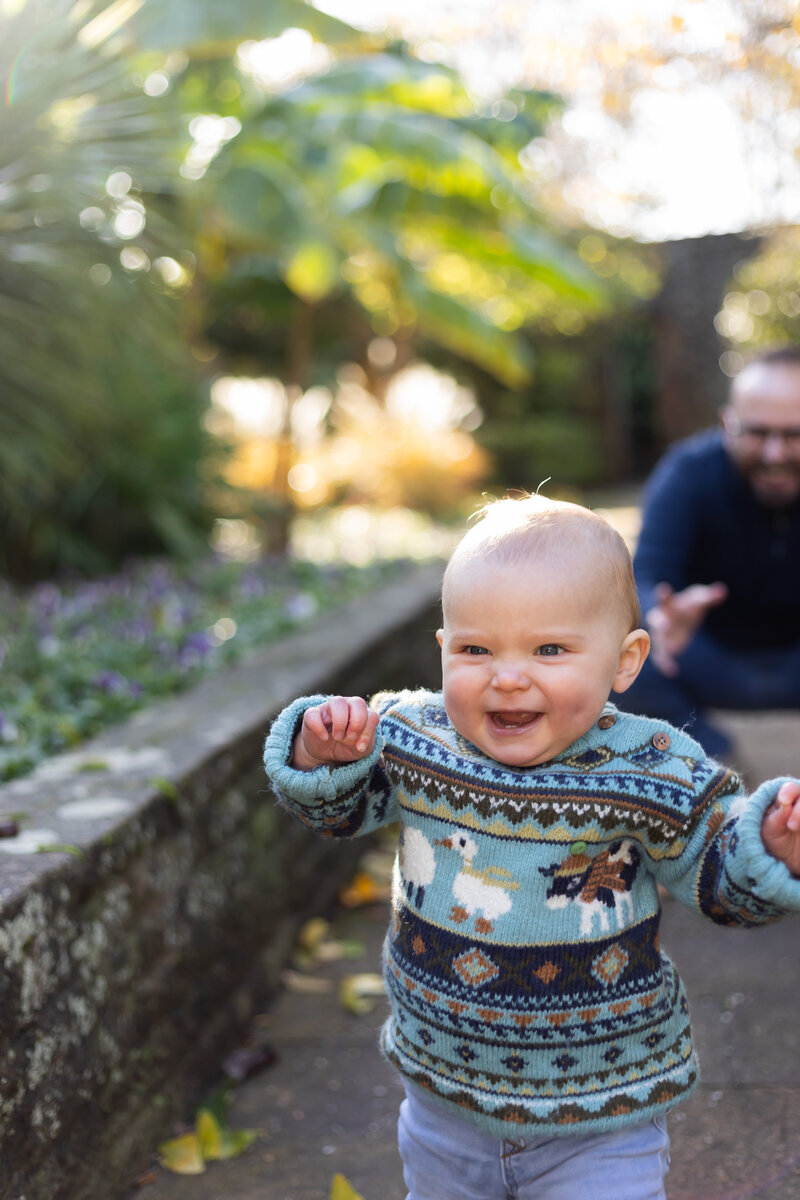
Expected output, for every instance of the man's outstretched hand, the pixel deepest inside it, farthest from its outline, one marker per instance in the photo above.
(675, 619)
(340, 730)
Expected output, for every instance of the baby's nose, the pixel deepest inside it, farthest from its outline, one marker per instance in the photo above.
(510, 677)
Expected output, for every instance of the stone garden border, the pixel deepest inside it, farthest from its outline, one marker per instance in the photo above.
(137, 949)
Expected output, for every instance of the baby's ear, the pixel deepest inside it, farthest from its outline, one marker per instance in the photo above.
(633, 652)
(440, 636)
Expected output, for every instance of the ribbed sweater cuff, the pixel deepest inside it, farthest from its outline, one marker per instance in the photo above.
(310, 788)
(770, 879)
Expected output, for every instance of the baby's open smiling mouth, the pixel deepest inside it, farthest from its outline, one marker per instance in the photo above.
(513, 720)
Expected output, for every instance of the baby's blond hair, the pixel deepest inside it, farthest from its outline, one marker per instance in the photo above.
(529, 528)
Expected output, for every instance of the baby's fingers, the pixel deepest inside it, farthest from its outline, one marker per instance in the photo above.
(788, 806)
(316, 721)
(340, 717)
(780, 829)
(365, 736)
(351, 721)
(350, 716)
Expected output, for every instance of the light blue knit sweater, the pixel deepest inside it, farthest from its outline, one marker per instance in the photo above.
(523, 967)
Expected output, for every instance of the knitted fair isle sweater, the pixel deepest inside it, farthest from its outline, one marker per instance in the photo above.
(523, 968)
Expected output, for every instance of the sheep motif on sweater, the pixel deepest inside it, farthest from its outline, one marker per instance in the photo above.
(417, 863)
(527, 987)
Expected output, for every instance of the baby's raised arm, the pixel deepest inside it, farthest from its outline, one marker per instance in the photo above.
(340, 730)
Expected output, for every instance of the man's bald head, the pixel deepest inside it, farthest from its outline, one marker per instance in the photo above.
(762, 426)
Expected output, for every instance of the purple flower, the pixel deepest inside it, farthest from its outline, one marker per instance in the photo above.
(194, 649)
(251, 585)
(300, 606)
(46, 598)
(201, 642)
(111, 682)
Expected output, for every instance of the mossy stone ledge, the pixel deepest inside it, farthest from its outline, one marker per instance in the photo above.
(138, 946)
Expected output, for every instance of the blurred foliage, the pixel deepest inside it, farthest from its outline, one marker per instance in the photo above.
(559, 440)
(375, 189)
(89, 368)
(389, 459)
(754, 41)
(376, 199)
(737, 59)
(752, 55)
(101, 440)
(172, 208)
(761, 308)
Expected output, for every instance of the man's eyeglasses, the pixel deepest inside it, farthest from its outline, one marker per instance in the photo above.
(758, 435)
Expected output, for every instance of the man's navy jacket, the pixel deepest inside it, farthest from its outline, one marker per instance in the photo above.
(702, 523)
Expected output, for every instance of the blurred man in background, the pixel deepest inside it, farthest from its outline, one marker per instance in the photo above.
(718, 560)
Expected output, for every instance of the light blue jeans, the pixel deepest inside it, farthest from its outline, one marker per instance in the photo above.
(447, 1158)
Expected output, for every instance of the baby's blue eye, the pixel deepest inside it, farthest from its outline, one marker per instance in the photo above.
(549, 650)
(476, 650)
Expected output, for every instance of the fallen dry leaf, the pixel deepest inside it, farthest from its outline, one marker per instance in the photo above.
(358, 993)
(294, 981)
(341, 1189)
(182, 1155)
(363, 889)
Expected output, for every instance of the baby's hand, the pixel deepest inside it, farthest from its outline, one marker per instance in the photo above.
(341, 730)
(780, 829)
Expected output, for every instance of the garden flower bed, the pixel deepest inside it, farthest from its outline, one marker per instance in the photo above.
(77, 657)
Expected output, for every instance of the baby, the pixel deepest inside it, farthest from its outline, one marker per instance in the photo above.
(541, 1035)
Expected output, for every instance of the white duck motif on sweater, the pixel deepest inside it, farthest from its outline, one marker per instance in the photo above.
(482, 894)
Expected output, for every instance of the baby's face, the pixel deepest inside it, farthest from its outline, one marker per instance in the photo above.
(530, 654)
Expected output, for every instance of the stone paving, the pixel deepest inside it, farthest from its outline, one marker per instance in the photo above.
(329, 1103)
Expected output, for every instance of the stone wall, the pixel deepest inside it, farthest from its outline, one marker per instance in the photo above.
(136, 949)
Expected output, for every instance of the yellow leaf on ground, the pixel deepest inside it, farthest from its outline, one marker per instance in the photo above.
(312, 934)
(345, 948)
(357, 993)
(187, 1155)
(236, 1141)
(294, 981)
(182, 1155)
(342, 1190)
(362, 889)
(209, 1134)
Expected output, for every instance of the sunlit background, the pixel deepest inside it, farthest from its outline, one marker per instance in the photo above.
(709, 135)
(316, 279)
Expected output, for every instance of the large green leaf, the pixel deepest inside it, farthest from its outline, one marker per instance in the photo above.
(387, 79)
(210, 27)
(260, 206)
(522, 247)
(450, 158)
(546, 257)
(382, 145)
(469, 334)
